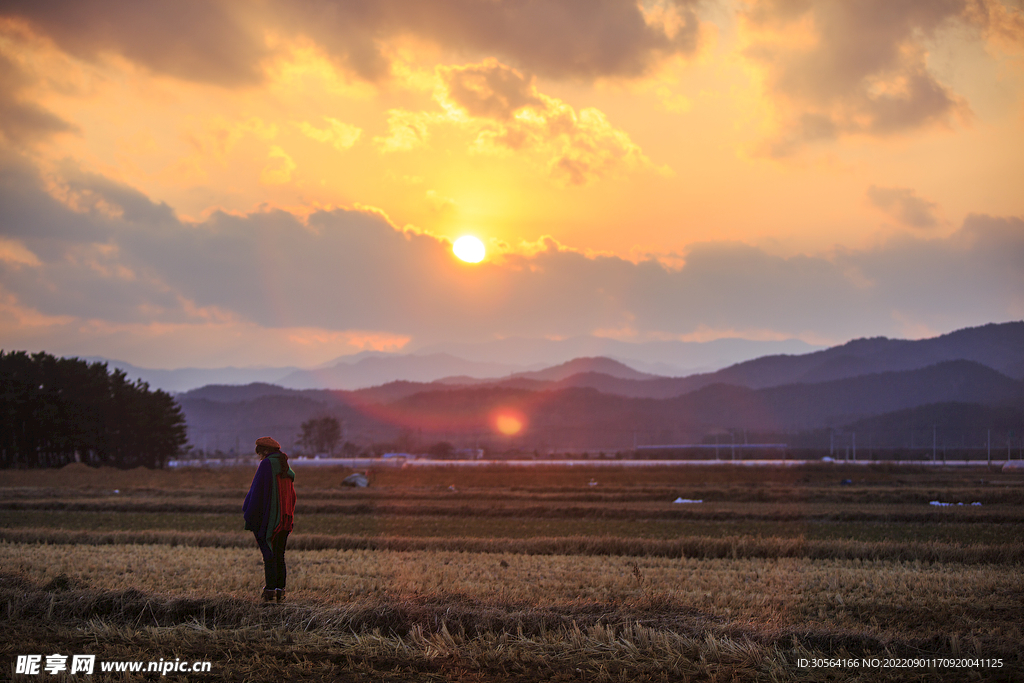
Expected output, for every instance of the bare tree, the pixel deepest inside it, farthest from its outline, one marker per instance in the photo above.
(320, 434)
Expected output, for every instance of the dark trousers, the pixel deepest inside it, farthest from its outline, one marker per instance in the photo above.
(273, 559)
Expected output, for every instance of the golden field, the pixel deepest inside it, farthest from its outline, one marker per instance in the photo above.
(511, 576)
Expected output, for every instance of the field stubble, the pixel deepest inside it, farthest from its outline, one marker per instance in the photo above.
(797, 568)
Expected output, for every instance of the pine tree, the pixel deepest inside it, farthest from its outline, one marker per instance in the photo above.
(54, 411)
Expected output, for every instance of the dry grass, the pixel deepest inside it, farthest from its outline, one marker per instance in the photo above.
(784, 592)
(696, 547)
(425, 641)
(955, 525)
(758, 481)
(986, 513)
(523, 578)
(612, 618)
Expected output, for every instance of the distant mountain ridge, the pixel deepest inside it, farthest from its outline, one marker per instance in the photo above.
(375, 370)
(578, 417)
(183, 379)
(467, 363)
(584, 418)
(998, 346)
(668, 358)
(596, 402)
(598, 365)
(838, 402)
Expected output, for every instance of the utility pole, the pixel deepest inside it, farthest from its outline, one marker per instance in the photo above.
(855, 446)
(990, 447)
(933, 443)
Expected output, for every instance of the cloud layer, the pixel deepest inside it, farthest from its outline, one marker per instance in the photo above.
(22, 120)
(904, 205)
(120, 259)
(172, 172)
(835, 68)
(190, 39)
(221, 41)
(508, 114)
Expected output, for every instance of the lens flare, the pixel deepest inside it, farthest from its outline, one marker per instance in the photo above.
(508, 424)
(469, 249)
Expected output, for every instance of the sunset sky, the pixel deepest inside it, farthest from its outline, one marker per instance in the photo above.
(280, 183)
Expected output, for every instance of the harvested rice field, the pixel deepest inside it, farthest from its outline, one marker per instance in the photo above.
(556, 574)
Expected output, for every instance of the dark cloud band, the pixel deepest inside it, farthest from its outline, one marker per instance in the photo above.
(223, 42)
(130, 260)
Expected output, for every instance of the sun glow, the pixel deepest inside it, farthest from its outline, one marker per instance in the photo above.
(508, 424)
(469, 249)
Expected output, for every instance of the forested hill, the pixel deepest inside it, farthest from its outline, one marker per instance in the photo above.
(575, 417)
(998, 346)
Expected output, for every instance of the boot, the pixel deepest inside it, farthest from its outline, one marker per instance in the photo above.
(280, 594)
(269, 594)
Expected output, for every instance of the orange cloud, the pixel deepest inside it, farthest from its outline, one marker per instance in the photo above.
(407, 130)
(21, 120)
(838, 68)
(279, 167)
(488, 90)
(339, 135)
(509, 114)
(14, 253)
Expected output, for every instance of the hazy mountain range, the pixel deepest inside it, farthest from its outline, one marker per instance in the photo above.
(598, 402)
(474, 361)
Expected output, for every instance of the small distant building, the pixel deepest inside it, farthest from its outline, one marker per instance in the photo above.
(403, 456)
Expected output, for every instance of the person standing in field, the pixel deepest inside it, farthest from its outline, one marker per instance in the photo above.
(269, 512)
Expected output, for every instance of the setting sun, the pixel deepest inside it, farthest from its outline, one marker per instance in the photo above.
(655, 173)
(469, 249)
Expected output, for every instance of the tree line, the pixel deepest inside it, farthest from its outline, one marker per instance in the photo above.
(54, 411)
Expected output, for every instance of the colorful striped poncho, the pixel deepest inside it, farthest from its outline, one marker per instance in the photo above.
(269, 506)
